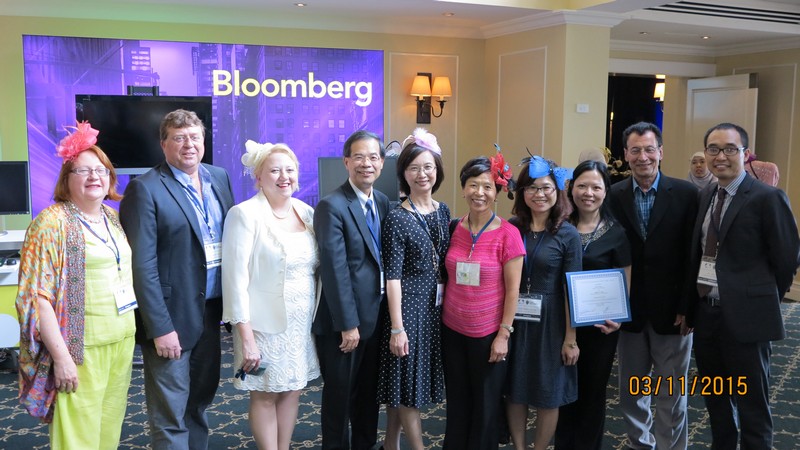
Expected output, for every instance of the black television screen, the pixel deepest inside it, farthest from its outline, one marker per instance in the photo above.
(332, 173)
(15, 194)
(129, 125)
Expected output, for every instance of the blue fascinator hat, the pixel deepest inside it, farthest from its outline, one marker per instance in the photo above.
(539, 167)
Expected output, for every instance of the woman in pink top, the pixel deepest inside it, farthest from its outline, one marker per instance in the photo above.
(484, 264)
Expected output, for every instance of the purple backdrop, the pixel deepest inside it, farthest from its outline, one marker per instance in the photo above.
(309, 98)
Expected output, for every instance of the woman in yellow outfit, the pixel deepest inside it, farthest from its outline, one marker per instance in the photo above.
(75, 303)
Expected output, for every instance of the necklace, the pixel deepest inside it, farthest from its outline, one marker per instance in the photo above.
(285, 215)
(86, 218)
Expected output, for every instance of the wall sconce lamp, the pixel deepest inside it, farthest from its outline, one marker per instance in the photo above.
(658, 93)
(421, 88)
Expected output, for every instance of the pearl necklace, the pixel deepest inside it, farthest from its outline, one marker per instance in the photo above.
(285, 215)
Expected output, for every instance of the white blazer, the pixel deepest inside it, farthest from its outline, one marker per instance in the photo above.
(254, 265)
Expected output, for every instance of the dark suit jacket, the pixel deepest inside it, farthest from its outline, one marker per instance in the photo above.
(659, 273)
(758, 256)
(169, 270)
(349, 264)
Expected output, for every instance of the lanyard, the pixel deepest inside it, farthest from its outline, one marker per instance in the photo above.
(477, 236)
(115, 249)
(194, 197)
(591, 238)
(529, 267)
(425, 227)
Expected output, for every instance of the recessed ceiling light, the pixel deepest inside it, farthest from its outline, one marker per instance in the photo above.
(301, 5)
(644, 33)
(449, 14)
(706, 37)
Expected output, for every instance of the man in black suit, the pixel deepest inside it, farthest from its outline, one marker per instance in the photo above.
(745, 253)
(173, 217)
(347, 227)
(658, 213)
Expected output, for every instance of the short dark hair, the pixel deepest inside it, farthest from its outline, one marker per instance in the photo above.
(475, 167)
(558, 213)
(602, 169)
(407, 156)
(359, 135)
(180, 118)
(728, 126)
(640, 129)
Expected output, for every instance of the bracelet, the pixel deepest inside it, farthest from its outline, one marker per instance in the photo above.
(507, 327)
(571, 344)
(398, 330)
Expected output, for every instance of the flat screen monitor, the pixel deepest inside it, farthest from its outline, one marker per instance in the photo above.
(129, 126)
(15, 194)
(332, 173)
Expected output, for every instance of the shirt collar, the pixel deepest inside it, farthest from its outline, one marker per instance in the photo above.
(362, 197)
(654, 187)
(734, 185)
(184, 177)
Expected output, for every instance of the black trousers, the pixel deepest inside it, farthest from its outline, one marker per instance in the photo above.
(732, 366)
(581, 424)
(474, 388)
(349, 393)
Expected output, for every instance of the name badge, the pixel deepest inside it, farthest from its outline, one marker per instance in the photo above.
(439, 294)
(213, 255)
(529, 307)
(383, 284)
(468, 273)
(125, 300)
(708, 272)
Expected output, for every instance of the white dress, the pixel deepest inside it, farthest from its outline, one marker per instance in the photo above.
(290, 357)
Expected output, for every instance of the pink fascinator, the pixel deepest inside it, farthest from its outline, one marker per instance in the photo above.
(73, 144)
(424, 139)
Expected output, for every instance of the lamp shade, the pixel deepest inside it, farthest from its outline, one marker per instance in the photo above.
(659, 91)
(441, 87)
(421, 87)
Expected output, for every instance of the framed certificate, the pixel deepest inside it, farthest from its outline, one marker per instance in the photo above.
(597, 295)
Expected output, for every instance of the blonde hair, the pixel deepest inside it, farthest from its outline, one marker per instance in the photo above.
(253, 159)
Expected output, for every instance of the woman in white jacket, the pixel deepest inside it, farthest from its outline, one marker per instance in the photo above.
(269, 260)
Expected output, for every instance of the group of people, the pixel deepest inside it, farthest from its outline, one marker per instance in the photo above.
(398, 304)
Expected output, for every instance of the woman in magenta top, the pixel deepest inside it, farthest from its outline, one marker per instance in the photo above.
(484, 264)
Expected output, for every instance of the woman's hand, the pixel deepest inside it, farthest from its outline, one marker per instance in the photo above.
(499, 349)
(570, 353)
(66, 374)
(398, 344)
(609, 327)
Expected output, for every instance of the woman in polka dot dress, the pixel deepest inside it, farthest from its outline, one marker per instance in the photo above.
(415, 238)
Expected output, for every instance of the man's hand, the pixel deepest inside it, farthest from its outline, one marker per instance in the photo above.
(350, 339)
(168, 345)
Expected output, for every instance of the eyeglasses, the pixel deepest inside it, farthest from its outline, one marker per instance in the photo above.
(728, 151)
(635, 151)
(546, 190)
(374, 158)
(85, 171)
(181, 139)
(415, 170)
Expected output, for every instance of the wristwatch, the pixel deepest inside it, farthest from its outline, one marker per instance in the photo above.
(507, 327)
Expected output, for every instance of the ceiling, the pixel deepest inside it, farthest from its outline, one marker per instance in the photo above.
(731, 26)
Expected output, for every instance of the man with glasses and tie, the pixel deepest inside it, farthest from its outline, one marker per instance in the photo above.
(347, 227)
(745, 253)
(654, 348)
(173, 216)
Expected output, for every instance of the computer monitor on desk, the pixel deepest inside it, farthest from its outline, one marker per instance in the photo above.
(15, 192)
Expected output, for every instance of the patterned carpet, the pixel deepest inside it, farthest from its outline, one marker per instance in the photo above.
(230, 429)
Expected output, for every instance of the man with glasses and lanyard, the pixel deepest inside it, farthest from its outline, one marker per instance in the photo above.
(173, 217)
(347, 227)
(745, 253)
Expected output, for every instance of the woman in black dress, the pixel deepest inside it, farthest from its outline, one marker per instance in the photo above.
(415, 238)
(605, 246)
